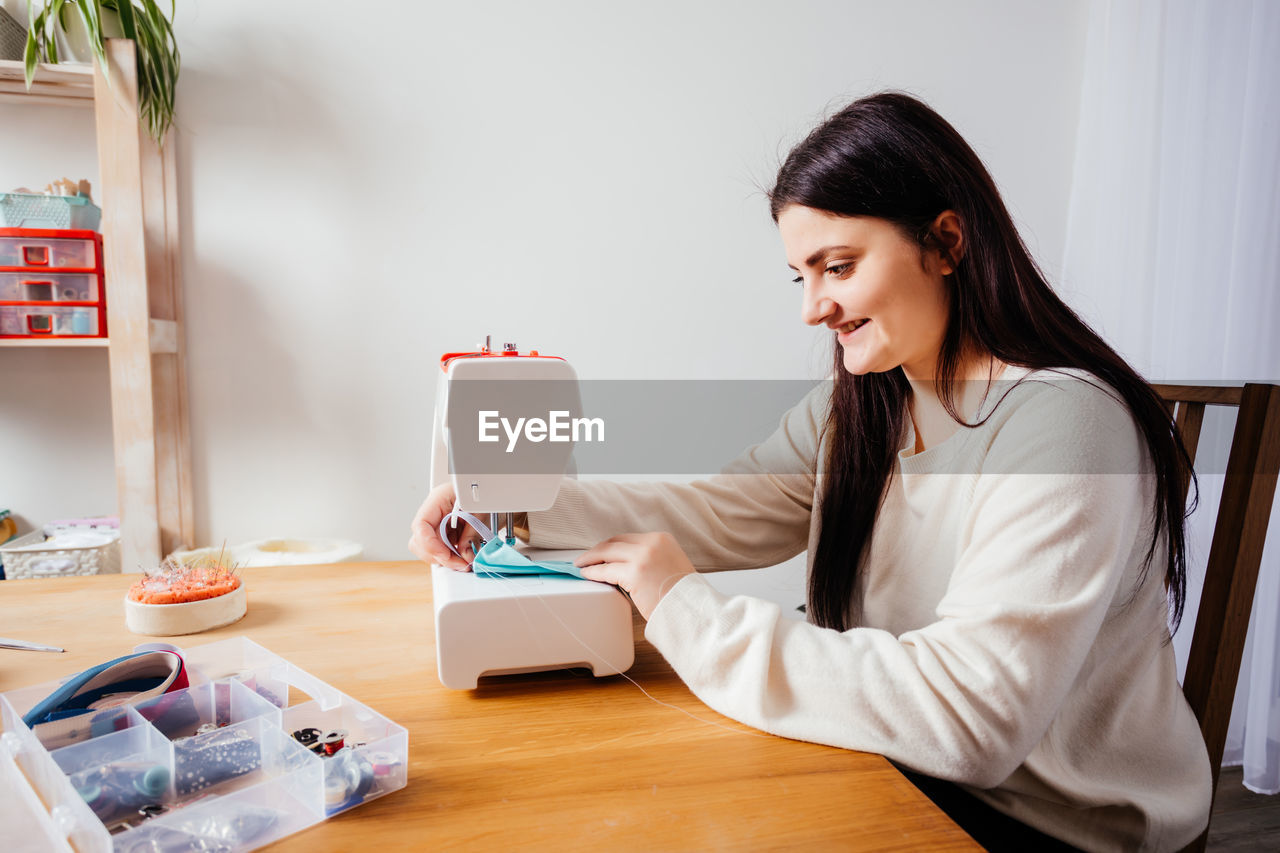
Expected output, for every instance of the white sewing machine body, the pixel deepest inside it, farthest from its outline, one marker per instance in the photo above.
(489, 625)
(527, 623)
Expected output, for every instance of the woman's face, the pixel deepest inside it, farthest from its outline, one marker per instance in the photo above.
(864, 279)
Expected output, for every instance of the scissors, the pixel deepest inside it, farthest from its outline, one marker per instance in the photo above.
(6, 643)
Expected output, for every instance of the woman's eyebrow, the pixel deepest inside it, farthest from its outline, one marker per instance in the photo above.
(818, 255)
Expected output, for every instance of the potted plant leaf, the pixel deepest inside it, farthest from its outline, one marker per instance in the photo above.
(139, 20)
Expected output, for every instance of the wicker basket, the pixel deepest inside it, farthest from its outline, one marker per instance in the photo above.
(13, 37)
(21, 560)
(36, 210)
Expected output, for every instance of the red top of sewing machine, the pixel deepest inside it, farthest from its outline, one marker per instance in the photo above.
(450, 356)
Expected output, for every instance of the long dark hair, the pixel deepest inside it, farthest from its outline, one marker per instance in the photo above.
(891, 157)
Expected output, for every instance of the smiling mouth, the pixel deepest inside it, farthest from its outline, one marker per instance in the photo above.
(850, 328)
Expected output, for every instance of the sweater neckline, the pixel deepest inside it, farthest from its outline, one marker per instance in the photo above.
(930, 457)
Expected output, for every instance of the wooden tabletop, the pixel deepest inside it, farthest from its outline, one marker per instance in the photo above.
(551, 760)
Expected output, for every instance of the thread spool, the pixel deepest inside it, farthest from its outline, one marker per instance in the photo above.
(335, 791)
(349, 776)
(95, 797)
(384, 763)
(152, 782)
(308, 737)
(333, 741)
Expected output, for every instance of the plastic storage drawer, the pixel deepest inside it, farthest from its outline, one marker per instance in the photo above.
(48, 287)
(40, 321)
(215, 763)
(27, 249)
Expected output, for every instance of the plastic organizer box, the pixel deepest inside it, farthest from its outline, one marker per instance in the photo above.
(215, 763)
(51, 284)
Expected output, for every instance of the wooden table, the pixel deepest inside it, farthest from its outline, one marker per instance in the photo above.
(551, 760)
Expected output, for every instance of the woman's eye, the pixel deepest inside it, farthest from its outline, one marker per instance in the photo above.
(839, 269)
(798, 280)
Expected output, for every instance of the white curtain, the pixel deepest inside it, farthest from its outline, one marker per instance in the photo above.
(1173, 254)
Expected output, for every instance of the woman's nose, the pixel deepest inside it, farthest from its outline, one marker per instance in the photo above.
(815, 308)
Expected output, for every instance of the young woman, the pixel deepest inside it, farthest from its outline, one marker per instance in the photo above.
(990, 499)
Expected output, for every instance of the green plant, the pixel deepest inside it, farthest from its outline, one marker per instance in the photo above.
(139, 20)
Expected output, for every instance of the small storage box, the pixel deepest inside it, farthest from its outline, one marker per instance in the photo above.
(28, 557)
(215, 763)
(48, 287)
(20, 321)
(23, 249)
(51, 284)
(36, 210)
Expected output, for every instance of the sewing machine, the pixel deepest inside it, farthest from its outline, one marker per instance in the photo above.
(490, 625)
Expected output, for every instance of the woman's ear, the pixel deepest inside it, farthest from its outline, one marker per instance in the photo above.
(948, 231)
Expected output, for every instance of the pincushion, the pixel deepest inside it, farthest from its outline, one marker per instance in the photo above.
(183, 597)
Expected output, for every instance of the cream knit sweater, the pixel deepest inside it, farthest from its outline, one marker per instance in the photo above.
(1009, 640)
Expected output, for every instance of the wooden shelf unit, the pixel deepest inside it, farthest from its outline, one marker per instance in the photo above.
(138, 192)
(63, 85)
(55, 343)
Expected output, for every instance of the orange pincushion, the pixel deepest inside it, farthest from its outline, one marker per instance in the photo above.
(183, 584)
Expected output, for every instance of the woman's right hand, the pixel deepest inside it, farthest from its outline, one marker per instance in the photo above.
(425, 541)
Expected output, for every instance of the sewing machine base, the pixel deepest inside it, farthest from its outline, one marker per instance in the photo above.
(533, 623)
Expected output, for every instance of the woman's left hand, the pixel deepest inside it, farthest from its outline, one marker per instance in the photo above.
(644, 565)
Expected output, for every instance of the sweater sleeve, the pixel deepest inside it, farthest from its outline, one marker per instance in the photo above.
(1050, 531)
(755, 513)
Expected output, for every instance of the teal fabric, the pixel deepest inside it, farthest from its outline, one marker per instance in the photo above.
(499, 558)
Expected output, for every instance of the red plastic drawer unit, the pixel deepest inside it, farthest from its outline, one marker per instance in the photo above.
(37, 248)
(51, 284)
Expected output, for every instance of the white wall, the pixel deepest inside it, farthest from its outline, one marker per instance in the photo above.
(363, 189)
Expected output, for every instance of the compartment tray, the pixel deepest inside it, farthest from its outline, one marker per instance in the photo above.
(215, 764)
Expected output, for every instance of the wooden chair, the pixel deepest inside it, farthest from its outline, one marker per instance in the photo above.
(1236, 551)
